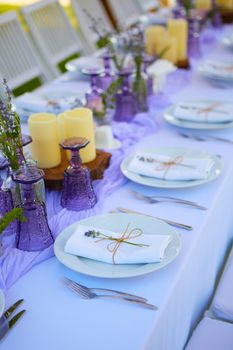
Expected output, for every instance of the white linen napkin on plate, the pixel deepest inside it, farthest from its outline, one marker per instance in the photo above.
(204, 112)
(218, 69)
(164, 167)
(81, 245)
(36, 103)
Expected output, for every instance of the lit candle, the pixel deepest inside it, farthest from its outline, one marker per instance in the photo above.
(79, 123)
(225, 4)
(45, 144)
(152, 36)
(178, 29)
(203, 4)
(168, 45)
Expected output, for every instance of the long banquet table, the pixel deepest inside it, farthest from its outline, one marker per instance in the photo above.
(57, 319)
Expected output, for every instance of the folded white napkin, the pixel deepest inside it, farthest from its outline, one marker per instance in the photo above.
(157, 165)
(159, 71)
(34, 103)
(219, 70)
(89, 247)
(204, 112)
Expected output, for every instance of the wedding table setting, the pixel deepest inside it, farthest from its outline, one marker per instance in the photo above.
(116, 186)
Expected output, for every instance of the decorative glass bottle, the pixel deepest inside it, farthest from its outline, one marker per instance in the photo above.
(34, 234)
(139, 85)
(126, 107)
(147, 60)
(77, 192)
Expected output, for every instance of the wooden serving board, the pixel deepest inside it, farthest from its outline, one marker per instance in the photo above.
(54, 176)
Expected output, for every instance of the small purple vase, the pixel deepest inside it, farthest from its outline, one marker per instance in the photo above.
(126, 106)
(34, 234)
(77, 192)
(194, 49)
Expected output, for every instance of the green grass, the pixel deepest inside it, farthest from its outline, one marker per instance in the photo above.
(35, 83)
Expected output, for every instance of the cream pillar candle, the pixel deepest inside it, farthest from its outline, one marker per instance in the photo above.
(169, 44)
(203, 4)
(152, 35)
(79, 122)
(178, 29)
(225, 4)
(45, 144)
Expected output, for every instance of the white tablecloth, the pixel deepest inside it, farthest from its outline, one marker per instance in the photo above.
(57, 319)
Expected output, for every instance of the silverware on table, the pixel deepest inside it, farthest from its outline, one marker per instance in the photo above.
(167, 199)
(170, 222)
(204, 137)
(87, 293)
(5, 323)
(132, 296)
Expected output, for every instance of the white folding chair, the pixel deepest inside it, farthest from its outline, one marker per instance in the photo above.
(126, 12)
(96, 10)
(222, 303)
(211, 334)
(18, 60)
(52, 32)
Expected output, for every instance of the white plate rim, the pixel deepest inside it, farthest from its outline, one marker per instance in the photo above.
(159, 183)
(76, 263)
(171, 119)
(207, 74)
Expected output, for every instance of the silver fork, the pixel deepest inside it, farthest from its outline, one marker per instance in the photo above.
(87, 293)
(204, 138)
(128, 295)
(159, 199)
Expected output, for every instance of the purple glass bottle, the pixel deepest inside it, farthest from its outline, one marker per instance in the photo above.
(77, 192)
(94, 94)
(34, 234)
(126, 106)
(107, 77)
(194, 49)
(217, 19)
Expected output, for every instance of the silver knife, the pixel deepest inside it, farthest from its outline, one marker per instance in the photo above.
(5, 325)
(172, 223)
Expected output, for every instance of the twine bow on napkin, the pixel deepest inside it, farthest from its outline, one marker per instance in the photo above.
(207, 110)
(166, 165)
(116, 242)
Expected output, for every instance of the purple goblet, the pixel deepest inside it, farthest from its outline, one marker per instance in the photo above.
(34, 234)
(108, 76)
(77, 192)
(126, 106)
(194, 50)
(94, 94)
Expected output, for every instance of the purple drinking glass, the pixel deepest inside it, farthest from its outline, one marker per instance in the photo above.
(147, 60)
(34, 234)
(108, 76)
(216, 19)
(77, 192)
(6, 199)
(126, 106)
(94, 94)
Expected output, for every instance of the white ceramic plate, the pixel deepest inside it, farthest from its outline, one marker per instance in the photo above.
(2, 302)
(117, 222)
(85, 62)
(116, 144)
(228, 41)
(173, 152)
(170, 118)
(203, 69)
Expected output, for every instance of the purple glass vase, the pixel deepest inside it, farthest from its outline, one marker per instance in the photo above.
(6, 199)
(77, 192)
(179, 11)
(107, 77)
(94, 94)
(34, 234)
(126, 106)
(194, 50)
(147, 60)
